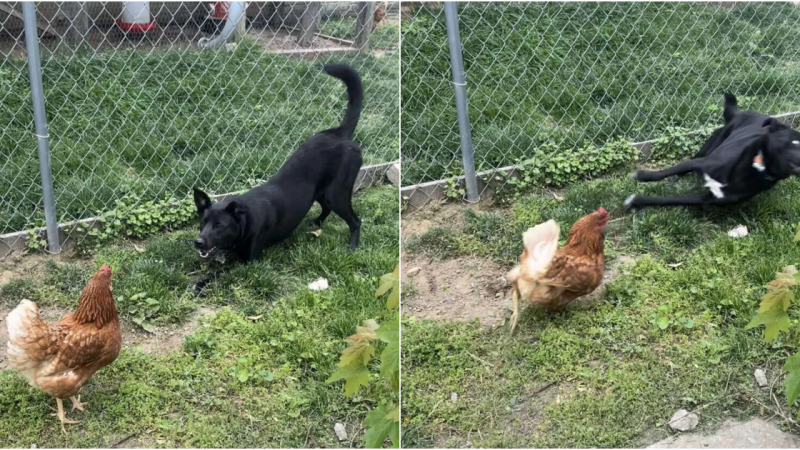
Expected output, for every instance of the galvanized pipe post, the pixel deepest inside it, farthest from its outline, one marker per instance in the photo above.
(460, 83)
(40, 119)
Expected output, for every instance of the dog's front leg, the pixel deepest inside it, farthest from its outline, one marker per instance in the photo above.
(695, 198)
(657, 175)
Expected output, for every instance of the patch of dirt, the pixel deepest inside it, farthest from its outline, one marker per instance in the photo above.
(27, 265)
(446, 215)
(458, 289)
(164, 340)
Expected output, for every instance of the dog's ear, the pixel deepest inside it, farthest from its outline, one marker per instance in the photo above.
(237, 210)
(201, 200)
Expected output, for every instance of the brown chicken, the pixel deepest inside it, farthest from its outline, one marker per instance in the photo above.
(379, 14)
(60, 357)
(552, 277)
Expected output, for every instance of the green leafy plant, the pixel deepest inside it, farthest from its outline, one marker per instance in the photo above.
(142, 309)
(132, 218)
(678, 142)
(453, 190)
(552, 166)
(35, 241)
(383, 421)
(665, 318)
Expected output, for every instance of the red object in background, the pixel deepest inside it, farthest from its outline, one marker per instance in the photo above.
(136, 27)
(221, 10)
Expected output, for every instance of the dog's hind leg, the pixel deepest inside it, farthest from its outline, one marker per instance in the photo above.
(340, 194)
(657, 175)
(695, 198)
(325, 204)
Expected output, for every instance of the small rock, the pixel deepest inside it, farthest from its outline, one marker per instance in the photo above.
(761, 378)
(491, 313)
(340, 431)
(683, 420)
(413, 271)
(453, 397)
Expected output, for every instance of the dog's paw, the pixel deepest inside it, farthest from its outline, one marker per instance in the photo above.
(197, 289)
(630, 202)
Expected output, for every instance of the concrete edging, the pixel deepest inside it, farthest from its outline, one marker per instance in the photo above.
(368, 176)
(418, 195)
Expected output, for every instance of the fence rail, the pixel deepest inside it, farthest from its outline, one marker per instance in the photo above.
(548, 82)
(142, 107)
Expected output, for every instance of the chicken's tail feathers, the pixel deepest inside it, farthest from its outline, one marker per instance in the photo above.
(19, 320)
(541, 244)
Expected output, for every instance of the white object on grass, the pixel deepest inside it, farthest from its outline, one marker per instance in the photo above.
(738, 232)
(319, 284)
(340, 431)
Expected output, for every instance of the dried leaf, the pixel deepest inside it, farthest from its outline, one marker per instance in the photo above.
(138, 249)
(316, 233)
(676, 265)
(255, 317)
(558, 197)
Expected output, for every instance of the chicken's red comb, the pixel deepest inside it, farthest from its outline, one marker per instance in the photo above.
(602, 210)
(105, 268)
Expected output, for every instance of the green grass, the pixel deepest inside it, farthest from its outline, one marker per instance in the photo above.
(235, 382)
(561, 74)
(617, 375)
(155, 124)
(386, 36)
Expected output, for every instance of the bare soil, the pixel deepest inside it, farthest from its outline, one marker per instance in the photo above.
(459, 289)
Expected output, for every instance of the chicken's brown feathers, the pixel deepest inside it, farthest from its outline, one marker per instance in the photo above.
(97, 302)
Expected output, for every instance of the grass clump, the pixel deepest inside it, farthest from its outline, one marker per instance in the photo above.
(253, 374)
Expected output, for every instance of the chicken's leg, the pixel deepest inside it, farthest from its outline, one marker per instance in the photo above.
(515, 314)
(62, 416)
(76, 404)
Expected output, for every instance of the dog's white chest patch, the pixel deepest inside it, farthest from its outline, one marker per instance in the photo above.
(714, 186)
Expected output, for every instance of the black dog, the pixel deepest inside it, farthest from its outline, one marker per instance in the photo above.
(323, 169)
(748, 155)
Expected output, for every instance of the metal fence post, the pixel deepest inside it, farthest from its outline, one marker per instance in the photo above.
(460, 83)
(40, 119)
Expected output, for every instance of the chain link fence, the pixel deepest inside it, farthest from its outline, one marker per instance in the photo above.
(143, 106)
(548, 79)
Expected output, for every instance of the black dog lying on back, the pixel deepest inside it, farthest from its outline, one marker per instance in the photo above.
(323, 169)
(748, 155)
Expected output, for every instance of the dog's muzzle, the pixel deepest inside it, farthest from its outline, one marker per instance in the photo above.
(204, 252)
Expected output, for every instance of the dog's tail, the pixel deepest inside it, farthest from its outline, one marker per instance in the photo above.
(731, 107)
(355, 96)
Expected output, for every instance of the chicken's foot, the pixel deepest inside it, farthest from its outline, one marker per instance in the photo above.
(515, 315)
(76, 404)
(62, 416)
